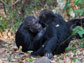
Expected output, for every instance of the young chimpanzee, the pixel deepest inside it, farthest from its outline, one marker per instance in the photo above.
(57, 35)
(27, 34)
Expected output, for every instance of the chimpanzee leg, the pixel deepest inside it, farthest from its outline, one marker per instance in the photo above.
(50, 47)
(39, 52)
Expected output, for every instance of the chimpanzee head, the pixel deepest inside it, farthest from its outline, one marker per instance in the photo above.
(32, 24)
(46, 16)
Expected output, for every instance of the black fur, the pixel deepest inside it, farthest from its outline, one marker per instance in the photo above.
(27, 32)
(75, 22)
(53, 38)
(57, 35)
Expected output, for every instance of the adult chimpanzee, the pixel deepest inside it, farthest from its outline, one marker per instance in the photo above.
(57, 35)
(26, 35)
(76, 22)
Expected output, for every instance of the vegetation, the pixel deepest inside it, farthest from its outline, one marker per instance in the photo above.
(16, 10)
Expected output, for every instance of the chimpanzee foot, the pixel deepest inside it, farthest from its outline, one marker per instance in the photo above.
(35, 54)
(48, 54)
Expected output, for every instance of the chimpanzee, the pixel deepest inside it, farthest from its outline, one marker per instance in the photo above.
(27, 34)
(57, 35)
(75, 22)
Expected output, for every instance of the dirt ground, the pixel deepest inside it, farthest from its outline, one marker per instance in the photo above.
(9, 53)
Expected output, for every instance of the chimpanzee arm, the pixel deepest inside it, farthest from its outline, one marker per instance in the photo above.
(39, 35)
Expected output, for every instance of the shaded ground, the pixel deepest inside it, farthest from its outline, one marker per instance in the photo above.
(10, 54)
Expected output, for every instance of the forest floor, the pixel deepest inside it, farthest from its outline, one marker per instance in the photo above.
(9, 53)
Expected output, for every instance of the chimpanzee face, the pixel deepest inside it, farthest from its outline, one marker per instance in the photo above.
(33, 24)
(46, 17)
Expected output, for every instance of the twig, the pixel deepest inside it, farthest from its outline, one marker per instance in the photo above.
(4, 3)
(11, 4)
(15, 3)
(34, 14)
